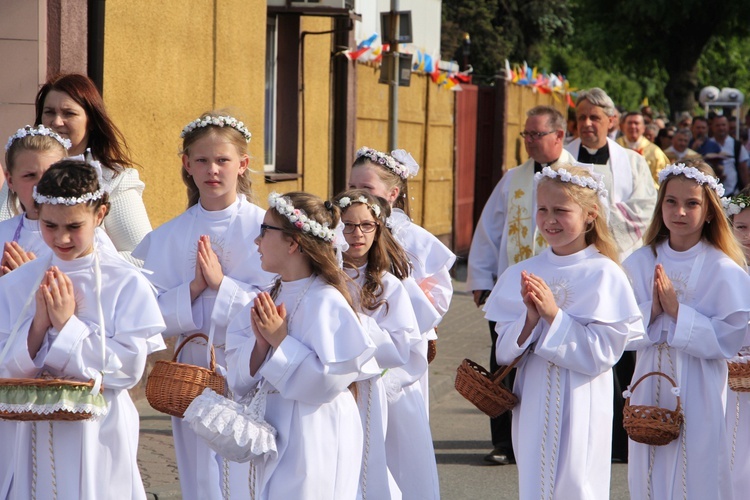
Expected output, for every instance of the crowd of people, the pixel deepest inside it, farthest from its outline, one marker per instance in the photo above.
(324, 308)
(603, 259)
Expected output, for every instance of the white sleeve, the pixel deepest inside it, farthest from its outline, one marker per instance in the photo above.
(708, 338)
(239, 347)
(127, 222)
(180, 315)
(486, 242)
(591, 349)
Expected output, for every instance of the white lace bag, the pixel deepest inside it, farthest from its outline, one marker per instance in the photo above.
(236, 430)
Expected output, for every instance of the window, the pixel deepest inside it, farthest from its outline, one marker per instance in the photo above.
(281, 120)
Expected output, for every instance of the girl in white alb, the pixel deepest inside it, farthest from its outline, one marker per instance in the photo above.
(386, 176)
(205, 268)
(737, 210)
(304, 345)
(52, 311)
(378, 264)
(693, 296)
(568, 312)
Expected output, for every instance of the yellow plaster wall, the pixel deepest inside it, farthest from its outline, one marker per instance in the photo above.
(164, 66)
(425, 129)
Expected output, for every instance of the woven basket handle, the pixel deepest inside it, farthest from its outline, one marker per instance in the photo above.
(500, 375)
(649, 374)
(212, 366)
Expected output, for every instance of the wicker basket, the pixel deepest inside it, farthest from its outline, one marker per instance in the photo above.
(172, 386)
(431, 350)
(72, 400)
(485, 390)
(739, 376)
(650, 424)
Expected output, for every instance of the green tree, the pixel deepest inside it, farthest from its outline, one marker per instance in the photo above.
(503, 29)
(643, 37)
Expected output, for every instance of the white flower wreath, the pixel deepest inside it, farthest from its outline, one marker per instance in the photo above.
(217, 121)
(735, 204)
(298, 217)
(28, 130)
(691, 173)
(399, 161)
(346, 201)
(583, 181)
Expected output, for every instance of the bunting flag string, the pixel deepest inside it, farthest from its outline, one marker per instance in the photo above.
(542, 82)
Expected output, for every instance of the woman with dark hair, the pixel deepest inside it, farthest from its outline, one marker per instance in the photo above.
(71, 105)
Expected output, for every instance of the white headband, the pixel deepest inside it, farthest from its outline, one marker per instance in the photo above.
(691, 173)
(346, 201)
(399, 161)
(298, 217)
(217, 121)
(29, 131)
(73, 200)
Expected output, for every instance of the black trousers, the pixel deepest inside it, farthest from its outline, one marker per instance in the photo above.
(622, 373)
(500, 427)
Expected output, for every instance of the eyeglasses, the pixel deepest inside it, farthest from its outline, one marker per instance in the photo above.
(535, 136)
(265, 227)
(365, 227)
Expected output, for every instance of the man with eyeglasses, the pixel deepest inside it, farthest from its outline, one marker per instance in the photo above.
(506, 234)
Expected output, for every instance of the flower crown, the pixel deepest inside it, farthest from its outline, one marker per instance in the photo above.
(346, 201)
(691, 173)
(735, 204)
(29, 131)
(399, 161)
(76, 200)
(583, 181)
(217, 121)
(298, 217)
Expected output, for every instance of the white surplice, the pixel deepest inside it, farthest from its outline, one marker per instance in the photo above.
(632, 195)
(316, 417)
(406, 441)
(710, 328)
(432, 262)
(169, 255)
(93, 459)
(488, 257)
(562, 426)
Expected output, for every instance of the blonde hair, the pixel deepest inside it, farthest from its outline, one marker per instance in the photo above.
(391, 179)
(716, 229)
(37, 144)
(244, 181)
(597, 233)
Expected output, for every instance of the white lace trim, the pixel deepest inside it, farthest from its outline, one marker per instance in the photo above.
(93, 409)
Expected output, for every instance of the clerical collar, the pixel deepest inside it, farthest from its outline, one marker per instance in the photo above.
(596, 156)
(539, 166)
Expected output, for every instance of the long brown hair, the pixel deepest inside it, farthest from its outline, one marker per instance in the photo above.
(320, 252)
(385, 253)
(106, 142)
(597, 233)
(244, 181)
(716, 229)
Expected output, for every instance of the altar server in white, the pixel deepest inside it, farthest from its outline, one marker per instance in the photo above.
(386, 175)
(305, 345)
(569, 312)
(205, 268)
(737, 210)
(58, 306)
(692, 290)
(402, 441)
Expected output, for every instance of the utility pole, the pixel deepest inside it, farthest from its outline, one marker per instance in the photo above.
(393, 84)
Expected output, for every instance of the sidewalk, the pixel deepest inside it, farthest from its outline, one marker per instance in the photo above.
(463, 333)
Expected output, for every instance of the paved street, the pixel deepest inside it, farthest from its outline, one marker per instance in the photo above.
(460, 432)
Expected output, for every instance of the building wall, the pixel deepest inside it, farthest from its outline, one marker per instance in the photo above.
(23, 52)
(425, 130)
(164, 65)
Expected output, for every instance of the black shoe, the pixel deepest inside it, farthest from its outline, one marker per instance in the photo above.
(499, 456)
